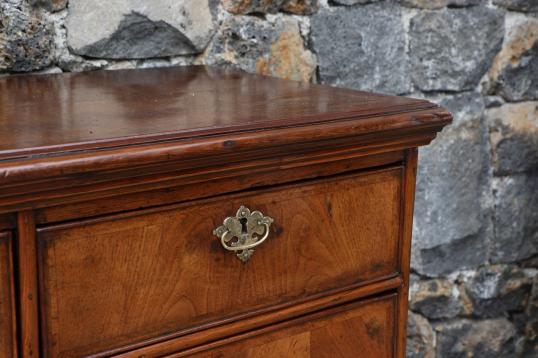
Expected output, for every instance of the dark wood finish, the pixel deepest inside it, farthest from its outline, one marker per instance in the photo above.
(8, 221)
(8, 325)
(51, 113)
(408, 194)
(28, 292)
(385, 132)
(363, 329)
(182, 187)
(262, 318)
(112, 183)
(172, 268)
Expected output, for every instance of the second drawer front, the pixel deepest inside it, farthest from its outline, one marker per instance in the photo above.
(364, 329)
(119, 280)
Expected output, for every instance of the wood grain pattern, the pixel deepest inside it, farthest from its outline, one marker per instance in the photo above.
(8, 329)
(112, 182)
(206, 182)
(361, 330)
(267, 317)
(407, 205)
(384, 133)
(28, 291)
(100, 109)
(136, 276)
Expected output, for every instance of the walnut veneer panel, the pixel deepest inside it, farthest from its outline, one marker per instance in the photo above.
(136, 276)
(8, 346)
(366, 331)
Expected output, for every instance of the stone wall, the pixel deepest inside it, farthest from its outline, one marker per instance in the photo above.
(475, 259)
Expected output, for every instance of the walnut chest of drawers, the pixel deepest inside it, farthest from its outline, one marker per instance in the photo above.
(201, 212)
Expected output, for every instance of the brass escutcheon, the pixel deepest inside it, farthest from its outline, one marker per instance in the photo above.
(243, 232)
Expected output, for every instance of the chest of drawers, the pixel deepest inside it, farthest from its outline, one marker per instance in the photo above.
(202, 212)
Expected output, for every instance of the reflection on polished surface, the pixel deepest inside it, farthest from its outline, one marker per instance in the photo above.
(66, 109)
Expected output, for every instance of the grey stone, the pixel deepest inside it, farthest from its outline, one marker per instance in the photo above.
(424, 4)
(354, 2)
(354, 50)
(126, 29)
(121, 65)
(50, 5)
(530, 348)
(435, 299)
(26, 37)
(464, 3)
(518, 5)
(513, 132)
(72, 63)
(49, 71)
(271, 48)
(479, 339)
(301, 7)
(452, 49)
(493, 101)
(513, 73)
(498, 290)
(515, 218)
(240, 41)
(65, 59)
(79, 64)
(174, 61)
(451, 221)
(520, 81)
(438, 4)
(420, 337)
(530, 263)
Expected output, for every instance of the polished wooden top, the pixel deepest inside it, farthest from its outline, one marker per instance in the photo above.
(44, 114)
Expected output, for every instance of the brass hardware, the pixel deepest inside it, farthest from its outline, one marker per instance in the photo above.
(243, 232)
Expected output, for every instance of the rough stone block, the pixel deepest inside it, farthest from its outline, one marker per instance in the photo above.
(354, 2)
(435, 299)
(493, 101)
(515, 218)
(520, 81)
(362, 47)
(300, 7)
(50, 5)
(420, 337)
(138, 29)
(466, 338)
(514, 72)
(530, 320)
(513, 133)
(518, 5)
(451, 220)
(438, 4)
(452, 49)
(271, 48)
(252, 6)
(497, 290)
(26, 37)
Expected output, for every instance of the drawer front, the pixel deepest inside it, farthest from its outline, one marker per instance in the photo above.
(116, 281)
(7, 303)
(362, 331)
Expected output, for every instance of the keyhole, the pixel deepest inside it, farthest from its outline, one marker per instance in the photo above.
(243, 222)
